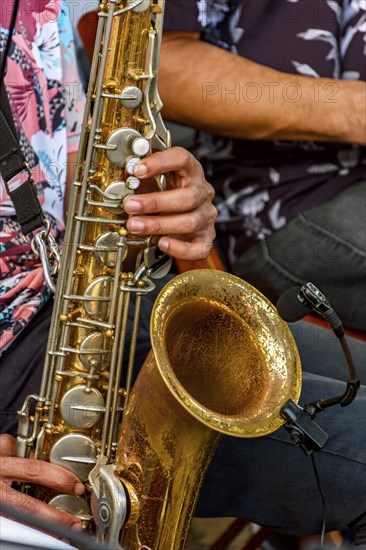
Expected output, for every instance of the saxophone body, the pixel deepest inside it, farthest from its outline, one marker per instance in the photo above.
(74, 421)
(222, 361)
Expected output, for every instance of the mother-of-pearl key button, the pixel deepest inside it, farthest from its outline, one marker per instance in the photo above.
(140, 146)
(132, 183)
(131, 163)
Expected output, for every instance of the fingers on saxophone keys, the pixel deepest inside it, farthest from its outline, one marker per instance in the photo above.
(42, 473)
(34, 507)
(179, 224)
(175, 159)
(184, 199)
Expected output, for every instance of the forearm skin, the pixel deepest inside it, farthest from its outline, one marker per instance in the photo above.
(214, 90)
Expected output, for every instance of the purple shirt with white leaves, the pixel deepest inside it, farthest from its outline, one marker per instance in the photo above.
(262, 185)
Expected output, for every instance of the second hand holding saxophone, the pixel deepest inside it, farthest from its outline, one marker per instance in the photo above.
(222, 359)
(80, 404)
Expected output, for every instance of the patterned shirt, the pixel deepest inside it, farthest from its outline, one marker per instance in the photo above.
(262, 185)
(47, 105)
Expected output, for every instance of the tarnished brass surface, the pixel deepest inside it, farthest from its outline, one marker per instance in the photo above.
(222, 361)
(222, 348)
(80, 403)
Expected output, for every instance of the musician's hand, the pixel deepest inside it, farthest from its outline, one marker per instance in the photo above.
(184, 214)
(39, 472)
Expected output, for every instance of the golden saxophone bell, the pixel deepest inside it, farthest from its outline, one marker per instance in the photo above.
(225, 353)
(223, 361)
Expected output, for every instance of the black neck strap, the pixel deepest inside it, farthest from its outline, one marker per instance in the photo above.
(12, 162)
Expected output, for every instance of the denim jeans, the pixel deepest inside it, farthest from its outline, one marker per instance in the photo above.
(271, 482)
(327, 246)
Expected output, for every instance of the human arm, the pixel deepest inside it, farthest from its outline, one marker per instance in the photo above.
(196, 78)
(38, 472)
(183, 214)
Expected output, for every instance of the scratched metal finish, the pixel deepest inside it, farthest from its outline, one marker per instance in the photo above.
(225, 353)
(222, 361)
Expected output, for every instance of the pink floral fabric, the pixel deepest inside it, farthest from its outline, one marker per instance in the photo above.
(46, 99)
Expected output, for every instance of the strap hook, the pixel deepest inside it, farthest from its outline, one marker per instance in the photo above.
(45, 247)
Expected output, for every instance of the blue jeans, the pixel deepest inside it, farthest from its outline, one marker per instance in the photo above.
(325, 245)
(270, 481)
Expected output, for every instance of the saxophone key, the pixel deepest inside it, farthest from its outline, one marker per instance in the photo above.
(98, 294)
(133, 183)
(122, 143)
(130, 164)
(117, 191)
(131, 97)
(107, 248)
(81, 407)
(140, 147)
(110, 86)
(73, 505)
(75, 452)
(91, 219)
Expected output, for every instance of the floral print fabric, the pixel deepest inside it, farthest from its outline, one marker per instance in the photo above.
(46, 100)
(262, 185)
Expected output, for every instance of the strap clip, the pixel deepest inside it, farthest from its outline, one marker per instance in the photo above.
(45, 247)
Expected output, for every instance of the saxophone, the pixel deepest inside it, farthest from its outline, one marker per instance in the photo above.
(222, 361)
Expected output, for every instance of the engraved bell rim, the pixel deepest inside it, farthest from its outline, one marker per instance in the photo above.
(275, 341)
